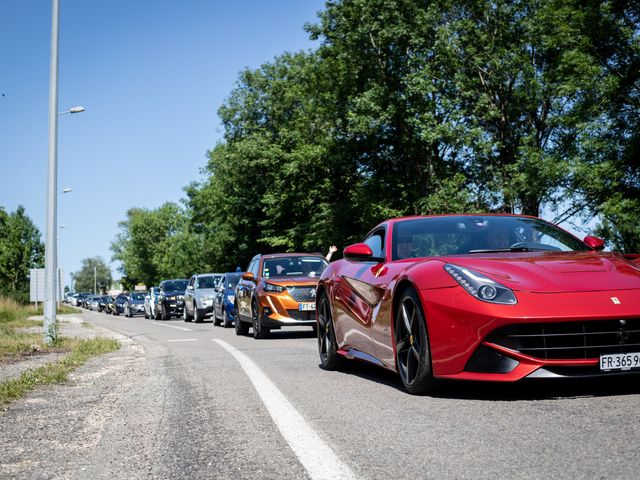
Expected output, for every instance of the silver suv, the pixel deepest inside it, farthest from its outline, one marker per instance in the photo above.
(198, 298)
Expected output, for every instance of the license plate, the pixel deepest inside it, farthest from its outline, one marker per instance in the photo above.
(619, 361)
(305, 307)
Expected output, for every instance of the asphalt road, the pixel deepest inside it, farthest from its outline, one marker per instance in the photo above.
(184, 400)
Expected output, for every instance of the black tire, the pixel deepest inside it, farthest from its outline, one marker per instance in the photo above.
(216, 320)
(413, 356)
(198, 316)
(226, 321)
(164, 314)
(185, 314)
(146, 315)
(241, 327)
(327, 345)
(259, 331)
(127, 312)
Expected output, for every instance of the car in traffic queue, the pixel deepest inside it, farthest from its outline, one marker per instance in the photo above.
(134, 304)
(118, 304)
(150, 300)
(170, 298)
(224, 311)
(93, 303)
(479, 297)
(85, 302)
(76, 300)
(103, 302)
(199, 296)
(109, 304)
(278, 290)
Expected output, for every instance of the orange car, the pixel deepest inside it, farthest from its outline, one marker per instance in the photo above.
(278, 290)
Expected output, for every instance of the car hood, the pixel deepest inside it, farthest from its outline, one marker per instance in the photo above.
(205, 291)
(554, 272)
(175, 293)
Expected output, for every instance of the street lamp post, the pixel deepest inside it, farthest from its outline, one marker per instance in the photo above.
(51, 252)
(50, 332)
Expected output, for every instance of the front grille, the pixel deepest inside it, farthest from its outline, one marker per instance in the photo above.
(570, 340)
(298, 315)
(303, 294)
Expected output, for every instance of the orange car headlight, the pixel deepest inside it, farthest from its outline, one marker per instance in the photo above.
(270, 287)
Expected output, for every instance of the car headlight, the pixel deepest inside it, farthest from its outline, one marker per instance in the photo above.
(172, 298)
(231, 298)
(270, 287)
(481, 287)
(180, 297)
(206, 298)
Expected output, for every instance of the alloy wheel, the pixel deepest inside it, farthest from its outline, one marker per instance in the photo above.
(327, 345)
(412, 346)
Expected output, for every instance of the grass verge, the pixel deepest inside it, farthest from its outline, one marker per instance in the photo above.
(81, 351)
(16, 344)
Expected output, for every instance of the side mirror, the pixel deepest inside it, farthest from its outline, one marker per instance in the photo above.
(248, 276)
(594, 242)
(358, 251)
(189, 287)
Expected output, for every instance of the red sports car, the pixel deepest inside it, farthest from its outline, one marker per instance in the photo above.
(480, 297)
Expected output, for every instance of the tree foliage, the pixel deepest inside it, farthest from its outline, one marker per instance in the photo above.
(156, 244)
(412, 107)
(21, 249)
(93, 273)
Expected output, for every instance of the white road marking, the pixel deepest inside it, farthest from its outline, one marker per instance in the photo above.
(316, 457)
(174, 326)
(184, 340)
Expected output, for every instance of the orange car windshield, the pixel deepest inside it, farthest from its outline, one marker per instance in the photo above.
(293, 267)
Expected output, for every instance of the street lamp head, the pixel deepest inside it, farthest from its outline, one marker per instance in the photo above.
(77, 109)
(67, 190)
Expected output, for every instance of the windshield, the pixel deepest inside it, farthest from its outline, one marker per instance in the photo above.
(206, 282)
(138, 296)
(427, 237)
(232, 280)
(175, 285)
(293, 266)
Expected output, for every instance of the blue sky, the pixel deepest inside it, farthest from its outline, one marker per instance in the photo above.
(151, 75)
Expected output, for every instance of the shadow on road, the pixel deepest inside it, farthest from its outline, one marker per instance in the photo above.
(288, 334)
(557, 389)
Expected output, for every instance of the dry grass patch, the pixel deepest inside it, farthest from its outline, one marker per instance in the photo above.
(57, 372)
(16, 343)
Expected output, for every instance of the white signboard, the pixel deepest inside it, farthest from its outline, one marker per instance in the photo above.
(36, 285)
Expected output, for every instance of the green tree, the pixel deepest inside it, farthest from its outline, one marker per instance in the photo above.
(156, 244)
(93, 272)
(397, 110)
(277, 183)
(419, 107)
(609, 184)
(20, 250)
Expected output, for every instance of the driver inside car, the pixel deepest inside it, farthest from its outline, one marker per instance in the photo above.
(405, 246)
(498, 237)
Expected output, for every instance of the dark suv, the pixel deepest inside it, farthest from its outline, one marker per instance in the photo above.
(170, 298)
